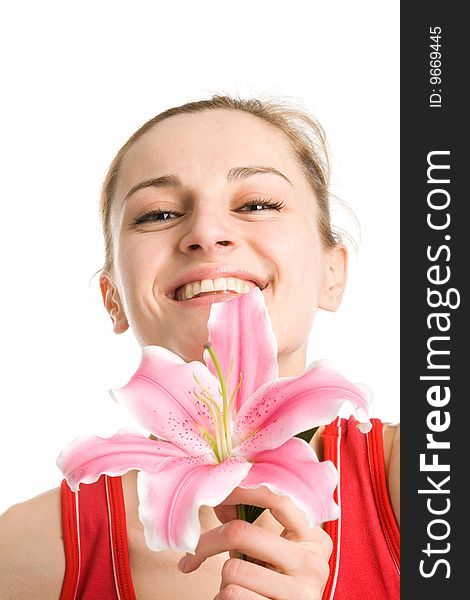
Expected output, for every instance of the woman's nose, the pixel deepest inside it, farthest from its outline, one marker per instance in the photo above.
(208, 232)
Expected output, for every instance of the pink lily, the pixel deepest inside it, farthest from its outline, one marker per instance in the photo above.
(214, 433)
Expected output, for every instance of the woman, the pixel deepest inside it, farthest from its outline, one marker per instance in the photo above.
(204, 201)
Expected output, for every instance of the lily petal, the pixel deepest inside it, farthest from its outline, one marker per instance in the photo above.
(170, 499)
(88, 457)
(280, 409)
(240, 329)
(293, 470)
(161, 397)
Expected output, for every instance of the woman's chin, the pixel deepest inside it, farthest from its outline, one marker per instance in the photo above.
(191, 348)
(190, 354)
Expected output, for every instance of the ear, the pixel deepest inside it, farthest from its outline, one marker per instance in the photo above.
(336, 274)
(112, 303)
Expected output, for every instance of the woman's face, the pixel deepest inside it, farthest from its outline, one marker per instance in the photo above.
(216, 197)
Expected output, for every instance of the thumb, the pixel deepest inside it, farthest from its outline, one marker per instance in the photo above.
(226, 512)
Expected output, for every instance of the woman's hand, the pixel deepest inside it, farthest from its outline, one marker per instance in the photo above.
(292, 565)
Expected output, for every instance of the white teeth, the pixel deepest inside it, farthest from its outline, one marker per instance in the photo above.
(219, 284)
(207, 285)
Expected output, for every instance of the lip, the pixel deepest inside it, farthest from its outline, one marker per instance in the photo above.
(213, 273)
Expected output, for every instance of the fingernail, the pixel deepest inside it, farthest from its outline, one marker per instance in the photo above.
(183, 564)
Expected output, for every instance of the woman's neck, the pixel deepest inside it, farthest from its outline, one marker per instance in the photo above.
(292, 364)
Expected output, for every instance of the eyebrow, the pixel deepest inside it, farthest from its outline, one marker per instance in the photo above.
(235, 174)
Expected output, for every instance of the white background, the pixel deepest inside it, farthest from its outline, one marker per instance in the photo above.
(78, 78)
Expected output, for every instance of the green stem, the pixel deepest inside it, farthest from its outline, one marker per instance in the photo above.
(241, 512)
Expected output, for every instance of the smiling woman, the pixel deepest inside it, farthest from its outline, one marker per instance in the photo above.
(204, 202)
(232, 192)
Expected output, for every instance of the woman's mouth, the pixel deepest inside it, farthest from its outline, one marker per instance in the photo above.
(211, 287)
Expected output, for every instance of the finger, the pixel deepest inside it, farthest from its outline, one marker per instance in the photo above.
(235, 592)
(268, 584)
(281, 507)
(253, 541)
(320, 541)
(226, 512)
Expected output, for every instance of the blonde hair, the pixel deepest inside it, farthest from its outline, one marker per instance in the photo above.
(304, 132)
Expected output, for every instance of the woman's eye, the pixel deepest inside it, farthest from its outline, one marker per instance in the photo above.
(153, 216)
(163, 216)
(261, 204)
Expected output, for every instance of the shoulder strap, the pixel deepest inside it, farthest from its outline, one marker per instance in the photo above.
(359, 539)
(331, 440)
(71, 548)
(117, 517)
(95, 542)
(379, 485)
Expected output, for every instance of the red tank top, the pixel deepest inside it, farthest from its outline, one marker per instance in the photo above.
(364, 563)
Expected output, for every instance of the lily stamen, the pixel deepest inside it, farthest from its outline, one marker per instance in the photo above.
(223, 392)
(235, 392)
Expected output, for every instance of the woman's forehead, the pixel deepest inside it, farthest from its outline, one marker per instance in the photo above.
(207, 143)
